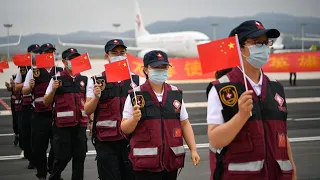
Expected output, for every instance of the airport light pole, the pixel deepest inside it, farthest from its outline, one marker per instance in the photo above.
(302, 36)
(214, 26)
(8, 26)
(116, 26)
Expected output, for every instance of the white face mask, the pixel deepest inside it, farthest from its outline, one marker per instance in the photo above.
(258, 55)
(158, 76)
(116, 58)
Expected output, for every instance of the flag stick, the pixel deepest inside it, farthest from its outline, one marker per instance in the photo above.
(134, 92)
(55, 65)
(241, 61)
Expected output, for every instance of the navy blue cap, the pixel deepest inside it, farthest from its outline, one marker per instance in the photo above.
(35, 48)
(46, 47)
(253, 29)
(70, 53)
(112, 44)
(155, 58)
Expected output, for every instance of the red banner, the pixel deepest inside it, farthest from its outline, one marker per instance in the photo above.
(190, 68)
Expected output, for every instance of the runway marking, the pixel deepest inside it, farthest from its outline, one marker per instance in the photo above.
(285, 88)
(5, 104)
(205, 124)
(199, 146)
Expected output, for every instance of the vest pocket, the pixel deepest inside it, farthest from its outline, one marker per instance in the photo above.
(241, 144)
(142, 135)
(146, 158)
(251, 167)
(176, 157)
(107, 128)
(286, 169)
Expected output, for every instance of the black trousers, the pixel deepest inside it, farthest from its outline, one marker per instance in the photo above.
(293, 81)
(15, 120)
(112, 160)
(25, 131)
(41, 130)
(69, 143)
(164, 175)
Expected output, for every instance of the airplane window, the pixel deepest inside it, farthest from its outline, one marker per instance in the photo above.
(200, 40)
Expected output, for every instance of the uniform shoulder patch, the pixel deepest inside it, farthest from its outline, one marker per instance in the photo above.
(229, 95)
(140, 100)
(36, 72)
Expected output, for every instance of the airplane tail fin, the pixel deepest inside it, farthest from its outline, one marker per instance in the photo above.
(139, 29)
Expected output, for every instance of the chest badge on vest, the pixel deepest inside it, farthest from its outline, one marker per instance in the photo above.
(282, 140)
(177, 105)
(229, 95)
(102, 83)
(140, 100)
(36, 72)
(280, 101)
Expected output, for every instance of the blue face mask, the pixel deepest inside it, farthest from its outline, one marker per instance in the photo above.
(69, 65)
(117, 58)
(258, 55)
(158, 76)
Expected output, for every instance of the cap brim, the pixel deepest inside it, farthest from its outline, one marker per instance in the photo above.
(271, 33)
(73, 54)
(159, 63)
(49, 49)
(113, 46)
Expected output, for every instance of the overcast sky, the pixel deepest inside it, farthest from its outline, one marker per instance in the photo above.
(64, 16)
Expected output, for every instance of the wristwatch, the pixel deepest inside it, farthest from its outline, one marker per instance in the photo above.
(90, 121)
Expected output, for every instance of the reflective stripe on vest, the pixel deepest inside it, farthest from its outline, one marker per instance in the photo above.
(16, 101)
(178, 150)
(285, 165)
(224, 79)
(84, 114)
(65, 114)
(246, 166)
(145, 151)
(39, 99)
(13, 97)
(107, 123)
(214, 150)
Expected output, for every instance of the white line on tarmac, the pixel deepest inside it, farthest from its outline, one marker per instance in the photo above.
(205, 124)
(199, 146)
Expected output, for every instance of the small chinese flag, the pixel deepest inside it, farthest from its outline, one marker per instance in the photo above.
(80, 64)
(117, 71)
(22, 59)
(45, 60)
(4, 65)
(218, 55)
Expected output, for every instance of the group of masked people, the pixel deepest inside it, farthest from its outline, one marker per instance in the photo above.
(138, 128)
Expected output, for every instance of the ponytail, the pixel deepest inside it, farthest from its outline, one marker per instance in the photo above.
(222, 72)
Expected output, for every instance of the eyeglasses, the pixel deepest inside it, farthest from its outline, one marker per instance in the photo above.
(261, 43)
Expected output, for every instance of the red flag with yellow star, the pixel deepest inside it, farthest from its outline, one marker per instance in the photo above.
(4, 65)
(80, 64)
(45, 60)
(22, 59)
(219, 54)
(117, 71)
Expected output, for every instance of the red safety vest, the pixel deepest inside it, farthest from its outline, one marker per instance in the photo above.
(156, 143)
(259, 151)
(69, 101)
(42, 79)
(108, 114)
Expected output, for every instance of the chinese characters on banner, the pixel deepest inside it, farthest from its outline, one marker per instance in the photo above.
(190, 68)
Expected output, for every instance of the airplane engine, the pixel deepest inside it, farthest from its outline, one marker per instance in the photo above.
(145, 51)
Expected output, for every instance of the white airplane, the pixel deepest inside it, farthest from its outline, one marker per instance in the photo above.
(175, 44)
(11, 44)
